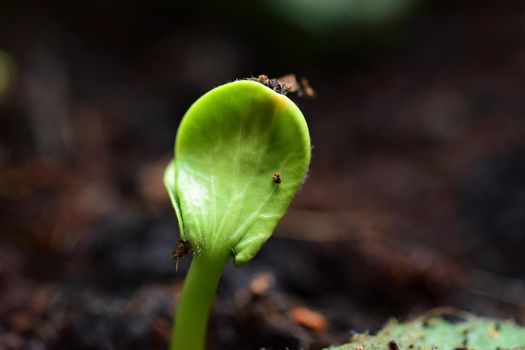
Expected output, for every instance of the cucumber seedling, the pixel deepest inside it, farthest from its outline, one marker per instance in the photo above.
(241, 153)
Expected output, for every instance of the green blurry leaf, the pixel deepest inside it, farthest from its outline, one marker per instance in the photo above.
(229, 145)
(437, 333)
(7, 71)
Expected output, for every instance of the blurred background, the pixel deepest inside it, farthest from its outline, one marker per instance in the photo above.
(415, 197)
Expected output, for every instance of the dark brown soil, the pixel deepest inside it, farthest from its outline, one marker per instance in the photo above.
(415, 197)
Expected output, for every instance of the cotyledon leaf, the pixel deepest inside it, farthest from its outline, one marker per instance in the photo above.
(242, 151)
(169, 183)
(439, 334)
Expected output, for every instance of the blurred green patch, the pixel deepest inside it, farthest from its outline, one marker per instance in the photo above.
(7, 72)
(321, 16)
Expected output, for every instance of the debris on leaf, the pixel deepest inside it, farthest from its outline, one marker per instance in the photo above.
(182, 248)
(288, 84)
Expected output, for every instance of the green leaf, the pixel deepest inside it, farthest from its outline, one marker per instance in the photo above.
(169, 183)
(438, 334)
(230, 144)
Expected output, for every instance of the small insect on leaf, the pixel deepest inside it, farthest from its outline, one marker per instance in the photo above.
(276, 178)
(182, 248)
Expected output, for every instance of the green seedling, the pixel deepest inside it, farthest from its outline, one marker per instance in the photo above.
(436, 333)
(241, 153)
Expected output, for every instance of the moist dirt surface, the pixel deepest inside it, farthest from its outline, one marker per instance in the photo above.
(414, 198)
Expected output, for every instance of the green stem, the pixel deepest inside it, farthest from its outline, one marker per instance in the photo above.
(193, 309)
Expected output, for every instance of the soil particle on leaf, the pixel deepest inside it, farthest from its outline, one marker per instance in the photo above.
(287, 84)
(182, 248)
(276, 177)
(274, 84)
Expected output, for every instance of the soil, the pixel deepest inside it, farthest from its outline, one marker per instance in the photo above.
(414, 199)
